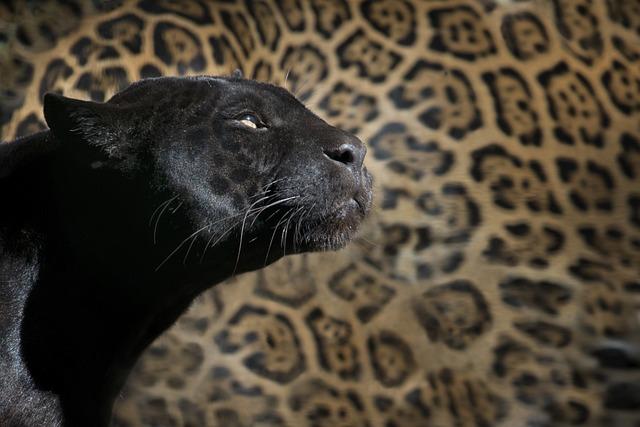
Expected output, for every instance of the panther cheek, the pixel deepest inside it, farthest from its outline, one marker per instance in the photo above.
(239, 174)
(219, 184)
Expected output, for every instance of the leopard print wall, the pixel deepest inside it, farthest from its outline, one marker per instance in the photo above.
(497, 281)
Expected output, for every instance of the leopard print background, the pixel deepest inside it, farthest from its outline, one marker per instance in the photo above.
(497, 282)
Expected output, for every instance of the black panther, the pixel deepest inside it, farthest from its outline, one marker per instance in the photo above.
(115, 218)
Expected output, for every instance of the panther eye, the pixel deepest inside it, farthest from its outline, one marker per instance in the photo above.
(250, 120)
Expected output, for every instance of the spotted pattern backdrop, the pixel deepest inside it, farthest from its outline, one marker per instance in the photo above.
(497, 281)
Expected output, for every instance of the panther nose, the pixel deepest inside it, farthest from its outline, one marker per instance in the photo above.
(350, 154)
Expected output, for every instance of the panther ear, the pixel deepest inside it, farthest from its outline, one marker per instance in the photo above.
(99, 124)
(237, 73)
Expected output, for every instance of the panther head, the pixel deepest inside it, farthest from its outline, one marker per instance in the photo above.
(242, 162)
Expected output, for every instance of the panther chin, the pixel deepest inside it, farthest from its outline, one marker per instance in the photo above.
(336, 228)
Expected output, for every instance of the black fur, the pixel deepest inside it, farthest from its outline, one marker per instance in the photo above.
(115, 219)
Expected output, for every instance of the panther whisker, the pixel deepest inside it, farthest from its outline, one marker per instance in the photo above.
(274, 235)
(158, 208)
(195, 233)
(370, 242)
(263, 191)
(269, 206)
(296, 230)
(227, 231)
(286, 228)
(299, 89)
(288, 216)
(266, 188)
(155, 227)
(272, 215)
(251, 211)
(296, 237)
(239, 247)
(204, 251)
(176, 208)
(300, 222)
(242, 233)
(193, 241)
(305, 235)
(180, 245)
(255, 218)
(259, 210)
(286, 77)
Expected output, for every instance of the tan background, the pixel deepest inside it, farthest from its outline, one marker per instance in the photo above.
(496, 282)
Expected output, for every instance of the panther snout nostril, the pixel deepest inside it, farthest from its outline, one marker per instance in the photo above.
(343, 154)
